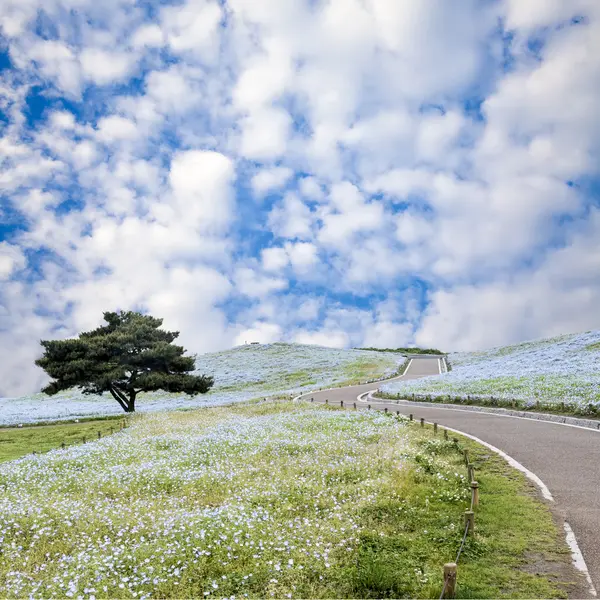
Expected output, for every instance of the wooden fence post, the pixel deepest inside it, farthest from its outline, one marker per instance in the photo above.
(326, 400)
(99, 434)
(435, 427)
(342, 403)
(369, 407)
(445, 434)
(466, 454)
(470, 519)
(474, 493)
(471, 472)
(355, 406)
(410, 417)
(385, 410)
(422, 422)
(449, 580)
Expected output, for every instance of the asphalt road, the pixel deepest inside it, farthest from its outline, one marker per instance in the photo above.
(566, 459)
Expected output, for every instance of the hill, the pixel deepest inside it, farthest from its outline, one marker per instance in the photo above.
(242, 373)
(559, 373)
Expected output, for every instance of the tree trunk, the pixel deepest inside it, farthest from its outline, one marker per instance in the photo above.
(131, 404)
(127, 404)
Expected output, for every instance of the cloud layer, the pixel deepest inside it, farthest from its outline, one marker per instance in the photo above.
(340, 172)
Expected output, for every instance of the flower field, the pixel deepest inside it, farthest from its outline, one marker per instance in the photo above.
(556, 372)
(186, 505)
(272, 499)
(242, 373)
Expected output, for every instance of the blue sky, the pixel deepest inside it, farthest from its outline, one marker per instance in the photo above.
(340, 172)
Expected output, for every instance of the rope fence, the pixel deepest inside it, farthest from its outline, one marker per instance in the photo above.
(84, 439)
(451, 568)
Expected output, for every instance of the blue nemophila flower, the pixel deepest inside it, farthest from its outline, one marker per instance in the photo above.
(176, 495)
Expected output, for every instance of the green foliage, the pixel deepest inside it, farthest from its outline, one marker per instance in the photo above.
(127, 356)
(406, 350)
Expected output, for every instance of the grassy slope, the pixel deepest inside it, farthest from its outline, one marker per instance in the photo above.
(363, 505)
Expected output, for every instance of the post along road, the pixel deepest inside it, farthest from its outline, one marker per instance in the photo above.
(566, 459)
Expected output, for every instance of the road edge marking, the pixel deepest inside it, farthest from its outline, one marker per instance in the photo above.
(359, 398)
(511, 461)
(578, 560)
(576, 554)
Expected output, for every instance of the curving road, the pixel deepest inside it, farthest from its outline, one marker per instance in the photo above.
(566, 459)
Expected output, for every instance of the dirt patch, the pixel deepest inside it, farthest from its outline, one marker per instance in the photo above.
(560, 567)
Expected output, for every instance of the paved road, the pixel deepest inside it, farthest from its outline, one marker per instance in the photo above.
(566, 459)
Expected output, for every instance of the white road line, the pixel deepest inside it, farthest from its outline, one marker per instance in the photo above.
(511, 461)
(578, 561)
(576, 555)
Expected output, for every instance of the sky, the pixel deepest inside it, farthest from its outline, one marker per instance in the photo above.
(337, 172)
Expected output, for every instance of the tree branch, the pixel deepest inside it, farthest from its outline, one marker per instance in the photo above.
(117, 396)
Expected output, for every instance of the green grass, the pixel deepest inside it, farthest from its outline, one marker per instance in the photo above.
(266, 500)
(514, 531)
(19, 441)
(361, 370)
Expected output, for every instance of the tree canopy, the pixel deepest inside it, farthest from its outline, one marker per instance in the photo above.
(128, 355)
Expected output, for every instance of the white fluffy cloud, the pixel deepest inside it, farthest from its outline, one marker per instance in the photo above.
(258, 169)
(291, 218)
(348, 215)
(104, 66)
(265, 134)
(116, 128)
(269, 180)
(201, 183)
(192, 26)
(11, 260)
(261, 332)
(254, 284)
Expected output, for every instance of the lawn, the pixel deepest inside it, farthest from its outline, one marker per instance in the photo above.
(18, 441)
(275, 499)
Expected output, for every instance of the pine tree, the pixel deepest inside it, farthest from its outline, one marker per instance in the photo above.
(127, 356)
